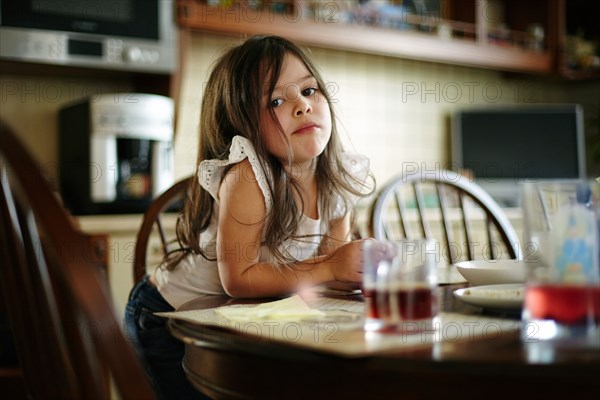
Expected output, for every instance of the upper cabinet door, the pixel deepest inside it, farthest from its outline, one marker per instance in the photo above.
(509, 35)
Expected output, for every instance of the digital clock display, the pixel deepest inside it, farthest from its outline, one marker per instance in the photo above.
(85, 48)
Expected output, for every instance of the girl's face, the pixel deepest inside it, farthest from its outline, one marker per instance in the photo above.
(302, 112)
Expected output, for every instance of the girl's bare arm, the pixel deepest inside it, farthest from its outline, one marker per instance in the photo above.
(241, 221)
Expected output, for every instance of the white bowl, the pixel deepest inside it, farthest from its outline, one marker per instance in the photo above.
(492, 272)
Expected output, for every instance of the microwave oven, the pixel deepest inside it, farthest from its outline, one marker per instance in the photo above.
(131, 35)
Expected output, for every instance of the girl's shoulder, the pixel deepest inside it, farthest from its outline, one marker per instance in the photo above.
(240, 174)
(242, 162)
(241, 194)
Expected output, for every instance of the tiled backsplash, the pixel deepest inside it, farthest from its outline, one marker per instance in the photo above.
(394, 111)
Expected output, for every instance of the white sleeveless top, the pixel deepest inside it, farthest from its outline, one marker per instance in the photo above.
(194, 275)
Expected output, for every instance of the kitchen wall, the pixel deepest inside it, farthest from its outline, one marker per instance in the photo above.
(392, 110)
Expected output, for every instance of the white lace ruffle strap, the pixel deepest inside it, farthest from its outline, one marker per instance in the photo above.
(210, 172)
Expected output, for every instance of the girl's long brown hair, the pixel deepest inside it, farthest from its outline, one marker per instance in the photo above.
(231, 106)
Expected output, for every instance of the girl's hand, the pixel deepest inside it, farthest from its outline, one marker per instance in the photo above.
(346, 263)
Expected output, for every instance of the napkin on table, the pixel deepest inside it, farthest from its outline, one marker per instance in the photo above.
(289, 309)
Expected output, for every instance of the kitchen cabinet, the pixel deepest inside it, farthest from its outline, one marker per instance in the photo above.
(579, 39)
(506, 35)
(466, 32)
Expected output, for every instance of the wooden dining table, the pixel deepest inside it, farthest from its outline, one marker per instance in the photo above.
(350, 363)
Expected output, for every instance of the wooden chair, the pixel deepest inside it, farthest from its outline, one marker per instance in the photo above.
(152, 224)
(446, 206)
(61, 313)
(12, 385)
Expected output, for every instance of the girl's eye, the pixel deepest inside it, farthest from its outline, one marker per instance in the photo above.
(276, 103)
(309, 91)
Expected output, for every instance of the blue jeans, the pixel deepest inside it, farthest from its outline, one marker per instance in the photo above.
(161, 353)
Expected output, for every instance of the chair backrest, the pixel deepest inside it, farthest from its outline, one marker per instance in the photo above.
(152, 223)
(60, 309)
(448, 207)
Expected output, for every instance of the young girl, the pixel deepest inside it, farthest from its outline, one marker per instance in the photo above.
(271, 210)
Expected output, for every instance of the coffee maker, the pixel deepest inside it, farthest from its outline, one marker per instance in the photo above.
(116, 152)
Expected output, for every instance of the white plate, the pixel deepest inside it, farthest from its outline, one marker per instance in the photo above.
(493, 272)
(501, 297)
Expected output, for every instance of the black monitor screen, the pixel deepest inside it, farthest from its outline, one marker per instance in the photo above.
(544, 142)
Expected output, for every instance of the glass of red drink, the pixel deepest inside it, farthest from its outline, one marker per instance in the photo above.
(399, 286)
(562, 254)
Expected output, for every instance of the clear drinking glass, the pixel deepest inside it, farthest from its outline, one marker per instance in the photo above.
(562, 256)
(399, 285)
